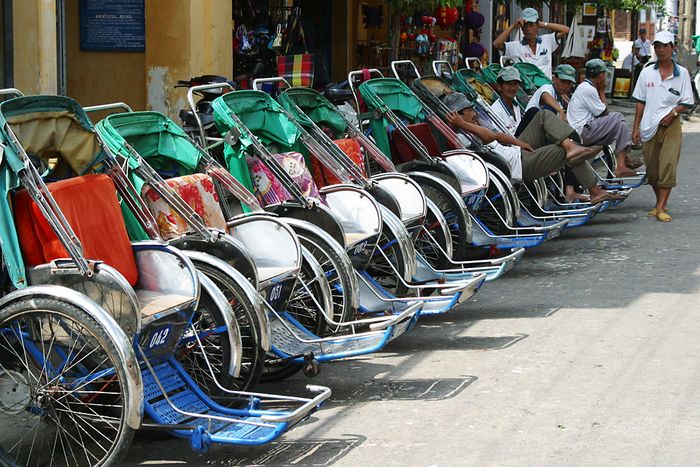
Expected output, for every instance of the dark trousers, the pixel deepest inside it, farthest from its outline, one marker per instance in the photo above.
(545, 127)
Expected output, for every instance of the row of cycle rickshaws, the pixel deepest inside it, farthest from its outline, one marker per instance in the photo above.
(155, 273)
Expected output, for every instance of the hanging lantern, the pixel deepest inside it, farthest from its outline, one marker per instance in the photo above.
(474, 20)
(475, 50)
(446, 16)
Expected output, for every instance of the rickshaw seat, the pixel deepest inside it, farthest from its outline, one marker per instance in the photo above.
(198, 191)
(153, 302)
(89, 204)
(405, 152)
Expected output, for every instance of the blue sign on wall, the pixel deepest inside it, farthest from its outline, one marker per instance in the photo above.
(112, 25)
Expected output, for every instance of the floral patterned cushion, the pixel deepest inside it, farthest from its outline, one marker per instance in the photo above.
(269, 190)
(198, 192)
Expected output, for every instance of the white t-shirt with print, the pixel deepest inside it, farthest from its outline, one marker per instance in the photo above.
(511, 120)
(542, 57)
(660, 97)
(584, 106)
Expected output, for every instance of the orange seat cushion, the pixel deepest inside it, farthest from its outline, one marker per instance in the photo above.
(352, 149)
(89, 204)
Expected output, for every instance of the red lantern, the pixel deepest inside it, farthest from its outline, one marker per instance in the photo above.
(446, 16)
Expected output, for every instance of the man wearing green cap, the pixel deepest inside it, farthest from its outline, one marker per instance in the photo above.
(545, 146)
(662, 92)
(555, 97)
(505, 106)
(532, 48)
(588, 114)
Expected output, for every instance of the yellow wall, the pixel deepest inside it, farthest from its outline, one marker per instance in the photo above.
(101, 77)
(34, 37)
(195, 39)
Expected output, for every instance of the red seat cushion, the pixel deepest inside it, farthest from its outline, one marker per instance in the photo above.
(402, 151)
(90, 206)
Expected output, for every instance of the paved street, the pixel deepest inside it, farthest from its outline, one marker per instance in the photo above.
(585, 354)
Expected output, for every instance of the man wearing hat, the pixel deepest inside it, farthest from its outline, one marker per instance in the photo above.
(662, 92)
(532, 48)
(505, 106)
(588, 114)
(531, 157)
(555, 97)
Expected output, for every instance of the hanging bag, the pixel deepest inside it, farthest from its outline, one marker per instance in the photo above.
(297, 69)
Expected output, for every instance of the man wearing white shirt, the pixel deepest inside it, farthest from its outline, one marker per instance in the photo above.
(555, 97)
(588, 114)
(505, 106)
(631, 60)
(545, 146)
(662, 92)
(532, 48)
(643, 46)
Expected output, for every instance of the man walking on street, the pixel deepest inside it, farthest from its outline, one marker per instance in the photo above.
(588, 114)
(533, 48)
(662, 92)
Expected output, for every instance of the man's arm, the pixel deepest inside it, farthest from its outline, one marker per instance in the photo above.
(484, 134)
(601, 95)
(508, 139)
(636, 132)
(548, 99)
(559, 29)
(503, 37)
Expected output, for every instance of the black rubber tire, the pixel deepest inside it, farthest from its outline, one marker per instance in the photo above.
(104, 352)
(253, 358)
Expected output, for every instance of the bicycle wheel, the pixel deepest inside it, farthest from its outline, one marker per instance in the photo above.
(496, 212)
(455, 213)
(338, 274)
(307, 290)
(210, 326)
(63, 387)
(386, 260)
(208, 318)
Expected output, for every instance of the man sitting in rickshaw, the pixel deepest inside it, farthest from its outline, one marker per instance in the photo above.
(532, 155)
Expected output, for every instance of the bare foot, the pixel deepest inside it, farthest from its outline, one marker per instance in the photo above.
(576, 154)
(624, 172)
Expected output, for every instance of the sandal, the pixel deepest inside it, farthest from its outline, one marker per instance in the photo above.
(663, 217)
(652, 212)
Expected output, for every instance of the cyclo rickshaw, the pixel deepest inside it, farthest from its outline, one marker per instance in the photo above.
(82, 378)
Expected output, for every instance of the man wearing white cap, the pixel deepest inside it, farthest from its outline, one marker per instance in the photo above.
(532, 48)
(662, 92)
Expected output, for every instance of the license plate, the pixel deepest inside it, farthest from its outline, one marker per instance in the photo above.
(159, 337)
